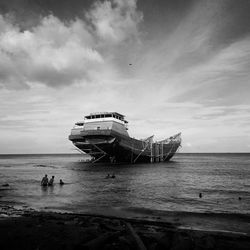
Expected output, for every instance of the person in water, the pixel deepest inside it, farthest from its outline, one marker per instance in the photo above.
(51, 181)
(61, 182)
(45, 181)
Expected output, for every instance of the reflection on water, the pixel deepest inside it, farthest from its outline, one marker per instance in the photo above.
(49, 190)
(221, 178)
(44, 191)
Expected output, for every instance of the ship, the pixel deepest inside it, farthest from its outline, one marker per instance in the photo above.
(104, 136)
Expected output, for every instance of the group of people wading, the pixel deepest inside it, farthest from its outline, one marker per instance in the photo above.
(46, 182)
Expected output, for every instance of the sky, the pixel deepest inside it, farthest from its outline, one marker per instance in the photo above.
(168, 66)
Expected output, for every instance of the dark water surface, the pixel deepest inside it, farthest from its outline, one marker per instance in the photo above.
(172, 186)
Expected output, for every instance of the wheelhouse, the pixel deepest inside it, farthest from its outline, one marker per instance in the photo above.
(101, 120)
(115, 115)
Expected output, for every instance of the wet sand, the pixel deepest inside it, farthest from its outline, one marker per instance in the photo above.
(30, 229)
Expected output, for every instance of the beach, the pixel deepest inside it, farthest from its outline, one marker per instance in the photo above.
(147, 206)
(30, 229)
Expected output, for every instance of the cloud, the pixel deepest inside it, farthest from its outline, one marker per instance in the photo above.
(115, 21)
(186, 74)
(222, 80)
(58, 53)
(190, 63)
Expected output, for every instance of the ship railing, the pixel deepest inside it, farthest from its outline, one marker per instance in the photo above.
(157, 151)
(96, 131)
(147, 142)
(174, 138)
(96, 128)
(76, 131)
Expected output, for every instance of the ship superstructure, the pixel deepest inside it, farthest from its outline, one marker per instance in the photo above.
(104, 136)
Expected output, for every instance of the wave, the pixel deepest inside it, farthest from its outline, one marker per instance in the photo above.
(6, 166)
(226, 191)
(44, 166)
(154, 212)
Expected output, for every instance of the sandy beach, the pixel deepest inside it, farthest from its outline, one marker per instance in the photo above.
(30, 229)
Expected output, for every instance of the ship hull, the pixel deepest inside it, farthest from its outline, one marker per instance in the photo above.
(110, 146)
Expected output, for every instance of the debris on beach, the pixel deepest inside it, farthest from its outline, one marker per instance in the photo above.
(49, 230)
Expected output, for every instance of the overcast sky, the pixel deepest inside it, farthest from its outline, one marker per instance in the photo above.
(168, 66)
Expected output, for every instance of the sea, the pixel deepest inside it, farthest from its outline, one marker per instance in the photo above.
(198, 183)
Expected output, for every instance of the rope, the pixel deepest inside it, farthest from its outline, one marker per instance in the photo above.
(169, 152)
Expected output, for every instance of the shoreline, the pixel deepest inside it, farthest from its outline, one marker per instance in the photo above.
(210, 221)
(30, 229)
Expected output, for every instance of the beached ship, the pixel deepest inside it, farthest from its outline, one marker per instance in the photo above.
(105, 138)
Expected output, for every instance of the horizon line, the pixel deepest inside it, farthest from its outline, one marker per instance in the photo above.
(89, 155)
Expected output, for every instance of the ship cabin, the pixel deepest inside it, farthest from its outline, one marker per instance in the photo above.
(102, 115)
(102, 121)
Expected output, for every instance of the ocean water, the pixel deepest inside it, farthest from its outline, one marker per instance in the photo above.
(171, 186)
